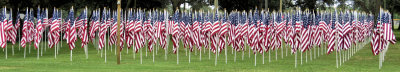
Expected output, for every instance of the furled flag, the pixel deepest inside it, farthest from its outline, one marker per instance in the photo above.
(11, 31)
(54, 29)
(223, 31)
(83, 29)
(175, 32)
(332, 35)
(25, 30)
(3, 27)
(113, 31)
(138, 34)
(39, 29)
(103, 29)
(215, 32)
(71, 31)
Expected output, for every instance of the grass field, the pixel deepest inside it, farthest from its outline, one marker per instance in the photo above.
(362, 61)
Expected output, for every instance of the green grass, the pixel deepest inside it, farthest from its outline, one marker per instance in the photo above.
(362, 61)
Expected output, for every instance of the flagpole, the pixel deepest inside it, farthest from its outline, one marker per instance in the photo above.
(168, 37)
(269, 56)
(7, 53)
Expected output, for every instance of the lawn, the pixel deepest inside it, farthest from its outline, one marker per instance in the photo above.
(362, 61)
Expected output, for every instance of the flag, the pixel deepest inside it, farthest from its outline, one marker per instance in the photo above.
(11, 31)
(39, 29)
(54, 30)
(83, 29)
(25, 30)
(175, 32)
(71, 31)
(103, 29)
(3, 27)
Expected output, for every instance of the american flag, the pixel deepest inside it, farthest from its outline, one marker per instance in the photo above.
(224, 31)
(387, 29)
(31, 27)
(244, 29)
(215, 32)
(206, 31)
(236, 33)
(297, 31)
(138, 35)
(3, 27)
(290, 30)
(83, 29)
(103, 29)
(162, 32)
(71, 32)
(340, 31)
(94, 26)
(25, 29)
(54, 30)
(254, 32)
(11, 31)
(129, 26)
(113, 34)
(175, 32)
(196, 30)
(148, 32)
(39, 29)
(17, 24)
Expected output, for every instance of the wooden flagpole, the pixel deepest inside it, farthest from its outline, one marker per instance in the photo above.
(118, 32)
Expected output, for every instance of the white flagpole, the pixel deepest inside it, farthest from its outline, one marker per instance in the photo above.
(337, 65)
(263, 57)
(7, 50)
(55, 52)
(301, 57)
(105, 51)
(153, 53)
(276, 54)
(101, 52)
(38, 51)
(41, 50)
(24, 52)
(255, 59)
(134, 53)
(249, 51)
(319, 51)
(141, 58)
(177, 55)
(295, 60)
(235, 56)
(282, 49)
(269, 56)
(209, 53)
(86, 51)
(286, 46)
(226, 52)
(146, 49)
(12, 50)
(29, 47)
(189, 56)
(315, 52)
(306, 56)
(71, 55)
(340, 57)
(200, 52)
(243, 53)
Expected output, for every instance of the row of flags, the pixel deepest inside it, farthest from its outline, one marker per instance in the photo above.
(261, 30)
